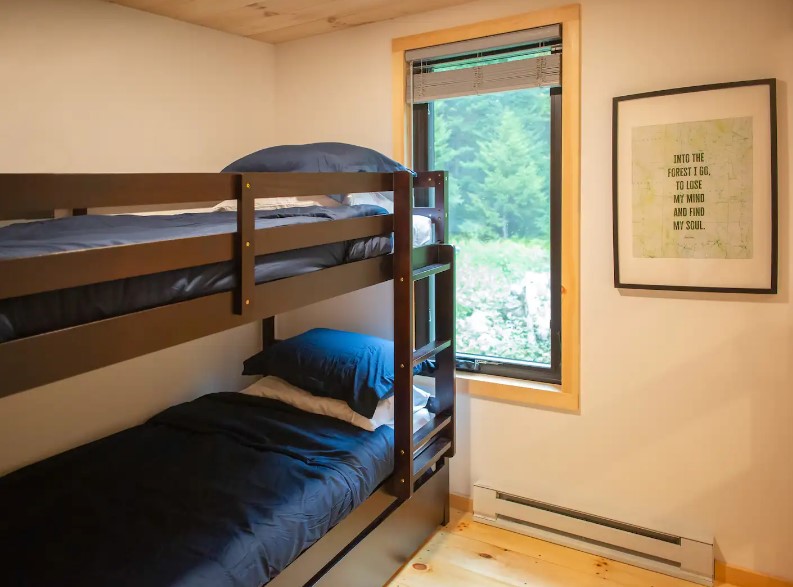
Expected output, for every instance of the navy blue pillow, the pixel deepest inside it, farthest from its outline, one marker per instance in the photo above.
(316, 157)
(355, 368)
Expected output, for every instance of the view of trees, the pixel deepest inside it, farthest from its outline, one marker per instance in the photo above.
(496, 148)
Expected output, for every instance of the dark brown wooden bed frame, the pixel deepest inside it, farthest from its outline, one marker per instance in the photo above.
(372, 543)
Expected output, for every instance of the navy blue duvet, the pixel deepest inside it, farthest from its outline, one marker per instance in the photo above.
(222, 491)
(29, 315)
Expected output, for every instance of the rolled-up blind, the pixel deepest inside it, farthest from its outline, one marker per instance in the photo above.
(523, 59)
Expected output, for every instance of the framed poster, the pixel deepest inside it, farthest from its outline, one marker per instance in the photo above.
(695, 188)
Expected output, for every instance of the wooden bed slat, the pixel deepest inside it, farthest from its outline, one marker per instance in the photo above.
(429, 270)
(285, 238)
(28, 215)
(21, 192)
(423, 256)
(75, 350)
(309, 184)
(429, 350)
(42, 273)
(432, 453)
(430, 430)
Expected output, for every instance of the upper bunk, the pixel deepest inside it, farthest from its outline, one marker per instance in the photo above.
(240, 241)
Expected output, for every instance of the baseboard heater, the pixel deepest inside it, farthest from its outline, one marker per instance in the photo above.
(657, 551)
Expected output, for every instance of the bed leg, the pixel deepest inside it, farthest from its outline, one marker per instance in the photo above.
(268, 331)
(446, 502)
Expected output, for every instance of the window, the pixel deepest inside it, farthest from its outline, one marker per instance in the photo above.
(489, 113)
(493, 381)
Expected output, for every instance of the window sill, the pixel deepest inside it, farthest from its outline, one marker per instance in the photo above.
(517, 391)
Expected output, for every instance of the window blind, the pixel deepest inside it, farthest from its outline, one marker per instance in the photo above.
(512, 61)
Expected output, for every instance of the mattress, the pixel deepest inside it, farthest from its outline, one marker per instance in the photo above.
(222, 491)
(34, 314)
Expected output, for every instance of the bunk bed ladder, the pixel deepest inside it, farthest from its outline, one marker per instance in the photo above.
(418, 451)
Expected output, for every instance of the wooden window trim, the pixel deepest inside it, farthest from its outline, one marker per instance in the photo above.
(565, 396)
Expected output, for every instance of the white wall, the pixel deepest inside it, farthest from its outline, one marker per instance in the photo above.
(686, 399)
(88, 86)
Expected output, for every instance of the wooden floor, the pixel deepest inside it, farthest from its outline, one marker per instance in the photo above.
(466, 553)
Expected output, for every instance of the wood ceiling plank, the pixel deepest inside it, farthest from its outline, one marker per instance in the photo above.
(376, 11)
(261, 17)
(186, 10)
(276, 21)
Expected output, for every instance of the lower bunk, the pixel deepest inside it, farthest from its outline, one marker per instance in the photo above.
(225, 490)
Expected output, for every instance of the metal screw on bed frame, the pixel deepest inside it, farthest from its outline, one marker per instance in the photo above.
(248, 186)
(401, 279)
(402, 365)
(401, 480)
(247, 243)
(247, 302)
(402, 452)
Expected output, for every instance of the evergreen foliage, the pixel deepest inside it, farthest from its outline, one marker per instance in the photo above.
(496, 148)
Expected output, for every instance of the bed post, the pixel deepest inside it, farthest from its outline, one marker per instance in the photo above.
(268, 331)
(403, 334)
(246, 256)
(445, 311)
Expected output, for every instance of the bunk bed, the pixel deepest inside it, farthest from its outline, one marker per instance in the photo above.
(404, 495)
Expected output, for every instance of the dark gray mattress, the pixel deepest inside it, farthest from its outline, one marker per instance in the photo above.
(34, 314)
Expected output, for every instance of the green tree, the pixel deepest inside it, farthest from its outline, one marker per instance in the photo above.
(496, 149)
(514, 191)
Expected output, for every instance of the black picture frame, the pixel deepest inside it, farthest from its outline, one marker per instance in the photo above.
(682, 271)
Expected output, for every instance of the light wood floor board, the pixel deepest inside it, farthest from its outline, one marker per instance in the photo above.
(747, 578)
(466, 553)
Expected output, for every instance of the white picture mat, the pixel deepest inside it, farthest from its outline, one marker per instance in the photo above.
(692, 107)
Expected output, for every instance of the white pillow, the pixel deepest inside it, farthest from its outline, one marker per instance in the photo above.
(422, 230)
(278, 203)
(422, 225)
(382, 199)
(275, 388)
(420, 418)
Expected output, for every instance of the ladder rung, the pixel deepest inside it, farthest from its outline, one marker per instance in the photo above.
(430, 430)
(429, 350)
(427, 270)
(431, 455)
(425, 255)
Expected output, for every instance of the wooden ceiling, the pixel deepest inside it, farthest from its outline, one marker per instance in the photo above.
(277, 21)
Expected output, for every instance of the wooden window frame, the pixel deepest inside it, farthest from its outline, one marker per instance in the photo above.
(565, 396)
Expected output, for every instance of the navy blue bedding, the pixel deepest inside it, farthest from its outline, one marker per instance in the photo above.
(29, 315)
(222, 491)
